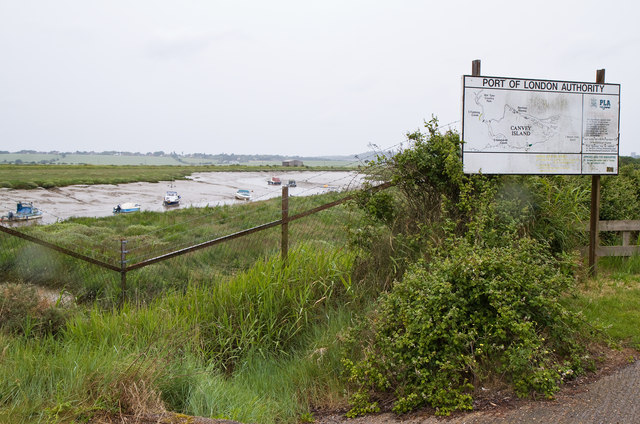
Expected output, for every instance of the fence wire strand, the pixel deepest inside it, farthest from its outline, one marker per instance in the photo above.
(24, 261)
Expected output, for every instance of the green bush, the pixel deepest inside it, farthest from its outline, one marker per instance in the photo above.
(402, 224)
(470, 313)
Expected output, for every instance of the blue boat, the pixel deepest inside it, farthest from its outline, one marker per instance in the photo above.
(25, 211)
(127, 208)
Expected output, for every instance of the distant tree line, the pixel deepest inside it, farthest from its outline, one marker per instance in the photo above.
(219, 158)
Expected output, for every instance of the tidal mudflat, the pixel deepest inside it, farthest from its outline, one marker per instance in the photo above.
(200, 190)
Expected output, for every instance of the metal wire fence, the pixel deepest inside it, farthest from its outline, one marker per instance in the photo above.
(138, 256)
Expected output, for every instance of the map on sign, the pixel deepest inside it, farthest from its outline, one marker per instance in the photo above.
(519, 126)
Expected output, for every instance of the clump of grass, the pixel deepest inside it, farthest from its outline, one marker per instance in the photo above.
(628, 266)
(23, 312)
(268, 306)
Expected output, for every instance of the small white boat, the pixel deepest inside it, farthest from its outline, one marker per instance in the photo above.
(243, 195)
(127, 208)
(171, 198)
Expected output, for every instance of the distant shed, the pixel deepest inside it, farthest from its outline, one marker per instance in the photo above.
(292, 162)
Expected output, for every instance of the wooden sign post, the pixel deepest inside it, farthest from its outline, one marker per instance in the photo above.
(594, 222)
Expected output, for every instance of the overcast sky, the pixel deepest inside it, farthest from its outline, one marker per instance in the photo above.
(286, 77)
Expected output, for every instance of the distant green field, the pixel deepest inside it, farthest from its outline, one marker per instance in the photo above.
(28, 176)
(47, 176)
(97, 159)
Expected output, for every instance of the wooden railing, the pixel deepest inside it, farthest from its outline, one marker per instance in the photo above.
(626, 227)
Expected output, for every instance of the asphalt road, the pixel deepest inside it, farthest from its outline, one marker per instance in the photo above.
(612, 399)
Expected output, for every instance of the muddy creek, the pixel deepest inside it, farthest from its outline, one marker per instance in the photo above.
(200, 190)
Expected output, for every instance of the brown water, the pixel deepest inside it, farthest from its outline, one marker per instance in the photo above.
(202, 189)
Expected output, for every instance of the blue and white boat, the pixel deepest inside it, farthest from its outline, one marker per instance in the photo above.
(171, 198)
(243, 195)
(127, 208)
(25, 211)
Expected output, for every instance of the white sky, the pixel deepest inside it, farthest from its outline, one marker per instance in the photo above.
(286, 77)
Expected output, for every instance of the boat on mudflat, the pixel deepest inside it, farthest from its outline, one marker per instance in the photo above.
(243, 194)
(25, 211)
(127, 208)
(171, 198)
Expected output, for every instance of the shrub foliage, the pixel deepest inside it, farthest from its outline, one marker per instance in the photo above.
(467, 314)
(478, 265)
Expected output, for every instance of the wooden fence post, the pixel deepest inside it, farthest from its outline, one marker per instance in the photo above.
(475, 68)
(123, 270)
(594, 223)
(284, 243)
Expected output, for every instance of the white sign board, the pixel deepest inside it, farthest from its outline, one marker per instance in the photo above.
(526, 126)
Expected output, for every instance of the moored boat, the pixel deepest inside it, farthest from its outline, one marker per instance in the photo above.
(243, 195)
(171, 198)
(25, 211)
(127, 208)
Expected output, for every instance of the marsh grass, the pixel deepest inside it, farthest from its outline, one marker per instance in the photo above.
(49, 176)
(259, 347)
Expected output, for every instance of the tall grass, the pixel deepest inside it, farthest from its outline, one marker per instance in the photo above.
(258, 347)
(267, 307)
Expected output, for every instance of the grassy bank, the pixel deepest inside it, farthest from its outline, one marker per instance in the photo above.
(611, 302)
(258, 347)
(221, 332)
(48, 176)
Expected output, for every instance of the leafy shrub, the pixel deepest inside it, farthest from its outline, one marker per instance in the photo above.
(401, 224)
(470, 312)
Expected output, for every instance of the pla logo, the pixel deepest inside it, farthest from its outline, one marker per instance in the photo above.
(594, 102)
(605, 104)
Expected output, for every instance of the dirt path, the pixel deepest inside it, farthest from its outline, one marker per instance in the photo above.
(612, 398)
